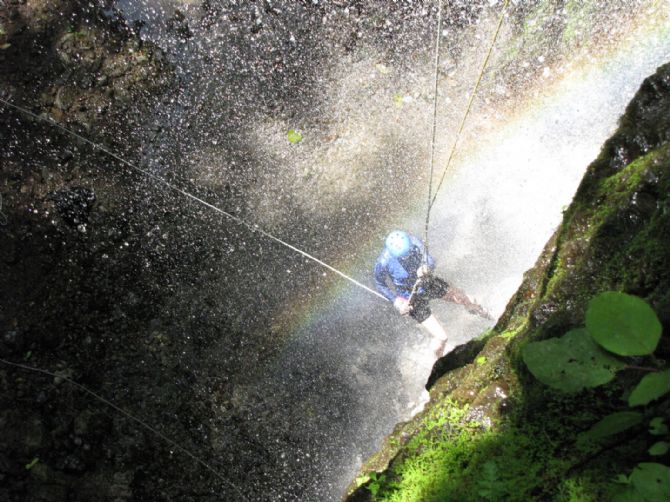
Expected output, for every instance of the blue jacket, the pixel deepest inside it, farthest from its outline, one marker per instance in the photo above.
(400, 271)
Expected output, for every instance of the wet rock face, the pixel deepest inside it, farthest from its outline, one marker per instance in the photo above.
(645, 125)
(74, 204)
(62, 249)
(84, 67)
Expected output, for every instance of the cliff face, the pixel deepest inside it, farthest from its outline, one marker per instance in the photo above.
(107, 280)
(491, 430)
(65, 214)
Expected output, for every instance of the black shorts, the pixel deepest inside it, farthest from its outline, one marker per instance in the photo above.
(434, 288)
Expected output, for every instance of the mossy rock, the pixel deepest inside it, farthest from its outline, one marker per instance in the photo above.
(493, 432)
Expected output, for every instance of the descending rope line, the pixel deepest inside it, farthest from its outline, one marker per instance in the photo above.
(128, 415)
(253, 228)
(467, 110)
(431, 157)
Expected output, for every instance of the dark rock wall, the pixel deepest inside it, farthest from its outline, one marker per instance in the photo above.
(78, 295)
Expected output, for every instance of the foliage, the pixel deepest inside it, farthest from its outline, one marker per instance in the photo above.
(570, 363)
(617, 325)
(649, 482)
(623, 324)
(294, 136)
(612, 424)
(32, 463)
(489, 486)
(376, 482)
(650, 388)
(454, 458)
(657, 427)
(660, 448)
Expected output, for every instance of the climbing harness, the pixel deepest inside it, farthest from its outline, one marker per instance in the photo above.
(236, 219)
(431, 196)
(418, 284)
(132, 417)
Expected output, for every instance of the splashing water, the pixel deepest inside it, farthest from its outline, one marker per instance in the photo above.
(503, 200)
(349, 368)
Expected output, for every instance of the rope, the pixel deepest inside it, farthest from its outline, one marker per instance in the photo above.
(128, 415)
(467, 110)
(431, 157)
(236, 219)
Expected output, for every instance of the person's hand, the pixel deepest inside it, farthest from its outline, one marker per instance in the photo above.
(402, 306)
(422, 270)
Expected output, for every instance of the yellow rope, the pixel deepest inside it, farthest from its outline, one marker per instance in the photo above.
(470, 101)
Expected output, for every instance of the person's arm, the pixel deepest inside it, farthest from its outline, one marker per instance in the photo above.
(380, 282)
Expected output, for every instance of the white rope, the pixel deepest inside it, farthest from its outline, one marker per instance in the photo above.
(431, 158)
(128, 415)
(468, 108)
(253, 228)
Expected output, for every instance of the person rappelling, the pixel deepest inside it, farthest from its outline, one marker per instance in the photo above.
(408, 267)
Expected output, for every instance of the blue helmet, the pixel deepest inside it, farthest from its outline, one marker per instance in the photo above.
(398, 243)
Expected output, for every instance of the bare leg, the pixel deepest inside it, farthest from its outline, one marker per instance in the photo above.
(458, 296)
(439, 336)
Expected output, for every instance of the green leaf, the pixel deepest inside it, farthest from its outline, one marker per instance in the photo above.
(657, 426)
(660, 448)
(652, 386)
(294, 136)
(32, 463)
(652, 481)
(612, 424)
(623, 324)
(622, 479)
(628, 494)
(481, 360)
(570, 363)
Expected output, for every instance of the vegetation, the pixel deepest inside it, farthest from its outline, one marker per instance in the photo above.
(568, 399)
(617, 324)
(571, 452)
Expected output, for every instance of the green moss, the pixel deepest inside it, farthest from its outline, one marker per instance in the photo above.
(455, 458)
(470, 444)
(485, 335)
(511, 333)
(532, 455)
(588, 219)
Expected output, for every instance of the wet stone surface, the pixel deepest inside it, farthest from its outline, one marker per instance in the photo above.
(167, 309)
